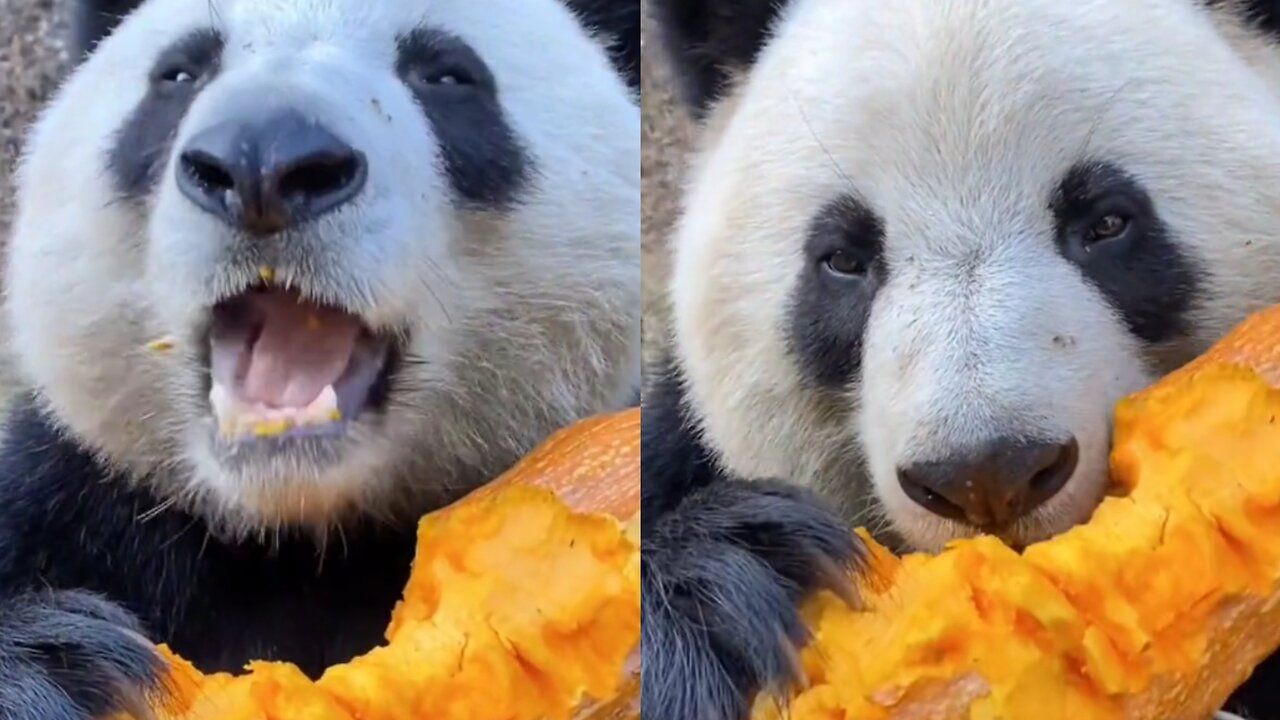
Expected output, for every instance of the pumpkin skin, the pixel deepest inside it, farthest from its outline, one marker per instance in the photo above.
(523, 604)
(1156, 609)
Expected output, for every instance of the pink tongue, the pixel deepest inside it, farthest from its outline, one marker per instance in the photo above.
(301, 349)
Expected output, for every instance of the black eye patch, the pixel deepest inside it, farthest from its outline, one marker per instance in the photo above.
(843, 269)
(1107, 224)
(458, 94)
(143, 142)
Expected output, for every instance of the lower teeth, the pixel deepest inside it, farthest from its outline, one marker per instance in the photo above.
(237, 419)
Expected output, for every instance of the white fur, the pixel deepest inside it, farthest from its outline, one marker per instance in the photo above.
(523, 322)
(955, 120)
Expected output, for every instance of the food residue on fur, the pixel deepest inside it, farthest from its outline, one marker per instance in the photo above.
(161, 345)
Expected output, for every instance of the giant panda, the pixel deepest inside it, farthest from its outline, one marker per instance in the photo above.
(284, 276)
(925, 246)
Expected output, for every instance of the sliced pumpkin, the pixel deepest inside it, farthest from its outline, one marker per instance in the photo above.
(1156, 609)
(523, 604)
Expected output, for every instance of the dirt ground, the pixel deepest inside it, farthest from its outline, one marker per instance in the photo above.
(33, 56)
(666, 137)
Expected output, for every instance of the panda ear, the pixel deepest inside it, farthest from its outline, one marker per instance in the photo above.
(619, 21)
(93, 20)
(1265, 14)
(708, 40)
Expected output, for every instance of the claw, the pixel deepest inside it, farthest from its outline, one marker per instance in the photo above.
(837, 580)
(799, 678)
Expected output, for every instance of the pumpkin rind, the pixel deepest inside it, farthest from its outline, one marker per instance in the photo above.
(592, 466)
(523, 604)
(1156, 609)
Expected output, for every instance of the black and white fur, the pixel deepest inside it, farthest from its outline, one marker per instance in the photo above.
(920, 237)
(495, 242)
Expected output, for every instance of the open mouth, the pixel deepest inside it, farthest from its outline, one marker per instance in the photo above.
(281, 365)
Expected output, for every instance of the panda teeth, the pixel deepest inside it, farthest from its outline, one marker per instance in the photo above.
(237, 419)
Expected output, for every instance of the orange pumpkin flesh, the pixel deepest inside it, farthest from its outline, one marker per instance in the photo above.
(1156, 609)
(523, 604)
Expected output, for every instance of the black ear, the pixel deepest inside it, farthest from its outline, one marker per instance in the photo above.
(1264, 14)
(619, 22)
(708, 39)
(93, 20)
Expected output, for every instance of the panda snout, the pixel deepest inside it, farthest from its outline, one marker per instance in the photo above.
(993, 486)
(270, 173)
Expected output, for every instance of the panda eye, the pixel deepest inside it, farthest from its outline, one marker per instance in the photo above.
(438, 64)
(445, 77)
(1108, 227)
(843, 264)
(178, 76)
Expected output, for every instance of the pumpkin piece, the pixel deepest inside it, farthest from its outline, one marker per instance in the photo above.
(1156, 609)
(270, 691)
(1254, 343)
(523, 604)
(593, 466)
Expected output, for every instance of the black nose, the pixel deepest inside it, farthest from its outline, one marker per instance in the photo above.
(270, 173)
(994, 485)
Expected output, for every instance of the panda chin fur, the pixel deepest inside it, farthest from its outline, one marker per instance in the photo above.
(283, 278)
(918, 236)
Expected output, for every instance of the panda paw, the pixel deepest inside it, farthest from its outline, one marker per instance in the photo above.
(71, 655)
(722, 578)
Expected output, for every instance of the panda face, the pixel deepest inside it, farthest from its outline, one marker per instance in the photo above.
(930, 244)
(299, 257)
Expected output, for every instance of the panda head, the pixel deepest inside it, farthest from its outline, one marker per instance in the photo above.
(928, 245)
(292, 259)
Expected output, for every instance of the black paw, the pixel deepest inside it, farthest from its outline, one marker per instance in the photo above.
(73, 656)
(722, 577)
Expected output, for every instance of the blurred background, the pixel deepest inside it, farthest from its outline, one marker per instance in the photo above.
(666, 136)
(32, 58)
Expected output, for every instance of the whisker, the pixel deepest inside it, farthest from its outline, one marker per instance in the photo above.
(804, 117)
